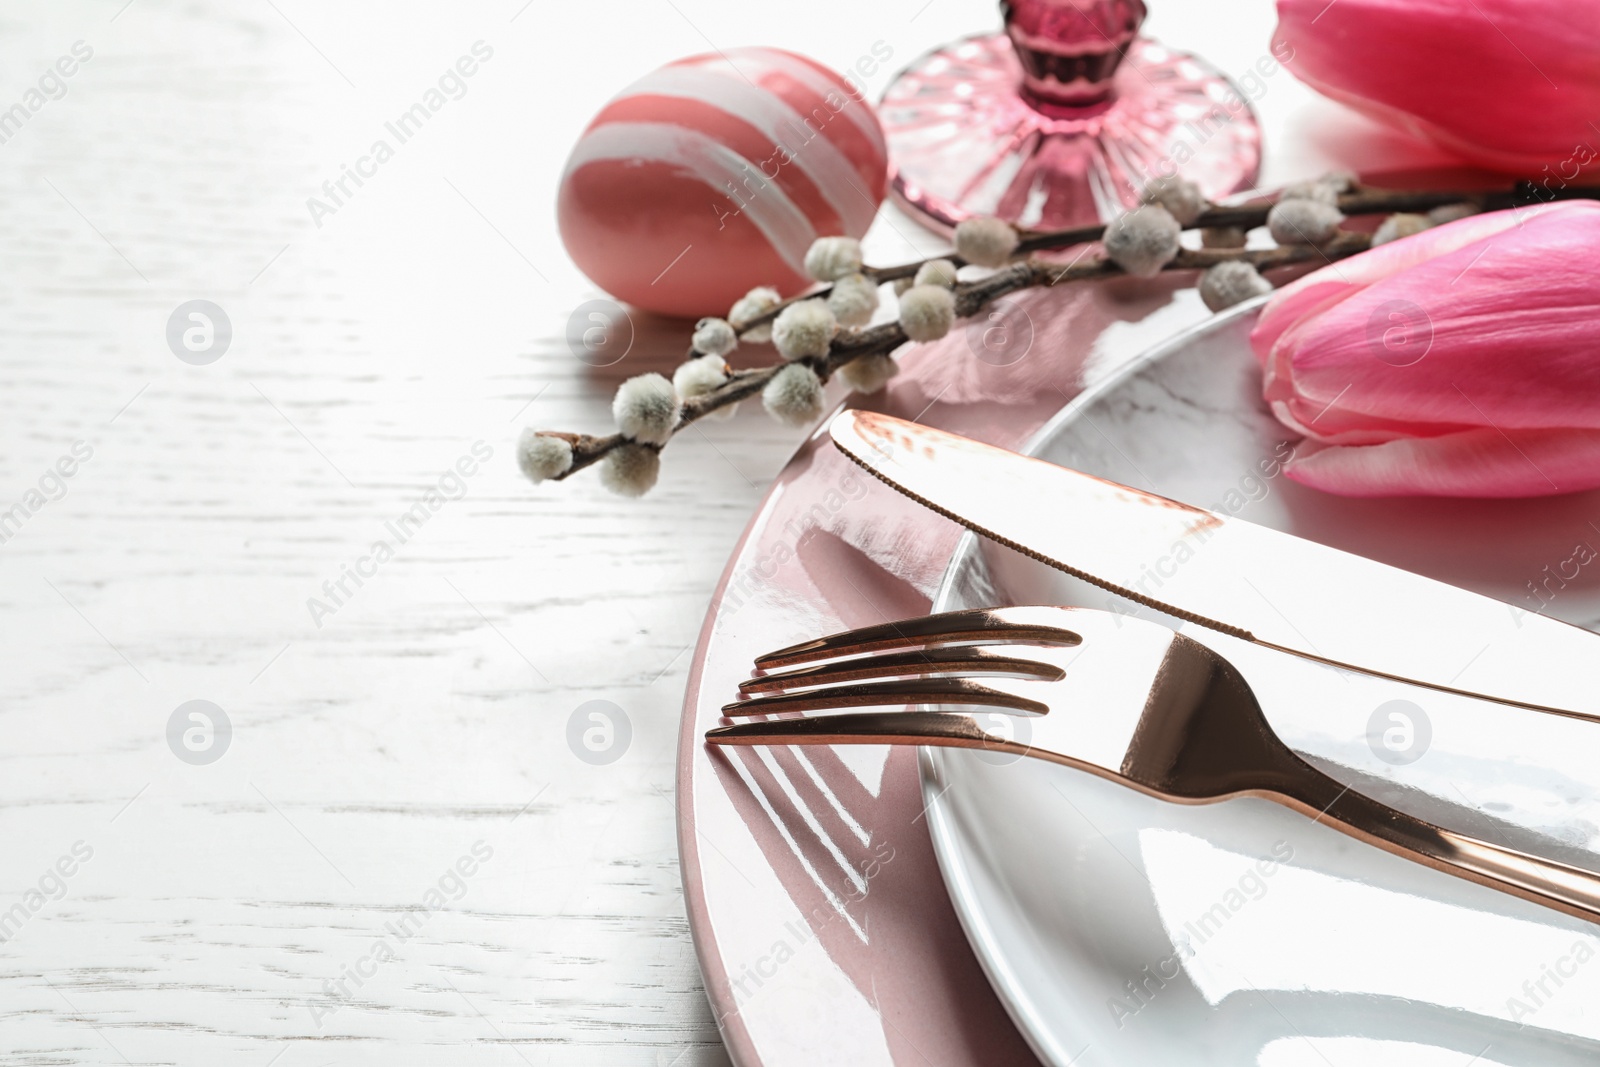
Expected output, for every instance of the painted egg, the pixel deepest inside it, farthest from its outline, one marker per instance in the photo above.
(713, 175)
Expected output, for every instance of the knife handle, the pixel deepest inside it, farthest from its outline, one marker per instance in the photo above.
(1571, 890)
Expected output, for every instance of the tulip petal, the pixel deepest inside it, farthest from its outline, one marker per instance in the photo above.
(1457, 362)
(1319, 290)
(1474, 463)
(1512, 84)
(1329, 423)
(1498, 333)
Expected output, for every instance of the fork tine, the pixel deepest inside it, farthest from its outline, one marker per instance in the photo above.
(977, 624)
(960, 691)
(966, 659)
(866, 728)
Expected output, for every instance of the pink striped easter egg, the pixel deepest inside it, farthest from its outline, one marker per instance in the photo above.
(714, 174)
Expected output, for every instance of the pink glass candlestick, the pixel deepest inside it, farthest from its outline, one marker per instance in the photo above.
(1061, 120)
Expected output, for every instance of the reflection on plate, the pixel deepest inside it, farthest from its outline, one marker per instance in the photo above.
(824, 931)
(1121, 930)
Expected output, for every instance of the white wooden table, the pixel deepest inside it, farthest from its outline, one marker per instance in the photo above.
(397, 858)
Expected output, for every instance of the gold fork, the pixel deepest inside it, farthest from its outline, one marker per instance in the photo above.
(1127, 699)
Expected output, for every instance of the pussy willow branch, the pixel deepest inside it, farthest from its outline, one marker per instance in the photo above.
(1244, 216)
(971, 297)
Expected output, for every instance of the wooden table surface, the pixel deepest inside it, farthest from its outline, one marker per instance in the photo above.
(393, 855)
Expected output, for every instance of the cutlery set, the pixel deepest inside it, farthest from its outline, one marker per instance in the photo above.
(1138, 703)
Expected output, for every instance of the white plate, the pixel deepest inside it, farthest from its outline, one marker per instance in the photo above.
(1122, 930)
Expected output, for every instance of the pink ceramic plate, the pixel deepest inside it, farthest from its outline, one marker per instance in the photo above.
(824, 930)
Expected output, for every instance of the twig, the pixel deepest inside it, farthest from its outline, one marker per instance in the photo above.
(971, 297)
(1243, 216)
(1031, 272)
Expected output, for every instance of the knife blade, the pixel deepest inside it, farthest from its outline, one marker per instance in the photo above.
(1251, 582)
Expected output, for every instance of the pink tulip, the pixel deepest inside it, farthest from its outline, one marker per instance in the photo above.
(1509, 84)
(1462, 361)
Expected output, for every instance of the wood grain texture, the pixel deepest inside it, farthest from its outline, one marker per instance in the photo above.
(429, 712)
(426, 719)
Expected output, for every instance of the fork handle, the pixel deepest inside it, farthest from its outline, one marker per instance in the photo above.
(1285, 779)
(1568, 889)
